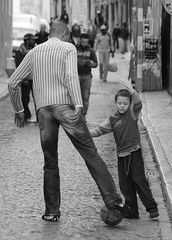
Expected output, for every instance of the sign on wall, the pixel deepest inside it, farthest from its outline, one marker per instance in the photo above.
(151, 48)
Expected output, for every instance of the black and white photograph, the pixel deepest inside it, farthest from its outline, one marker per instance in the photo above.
(86, 120)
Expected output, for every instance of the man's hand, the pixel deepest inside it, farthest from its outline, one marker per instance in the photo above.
(78, 110)
(19, 119)
(90, 63)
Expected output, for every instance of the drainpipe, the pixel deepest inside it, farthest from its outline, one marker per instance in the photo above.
(139, 50)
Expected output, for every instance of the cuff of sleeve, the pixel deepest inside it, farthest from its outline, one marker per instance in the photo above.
(77, 106)
(20, 111)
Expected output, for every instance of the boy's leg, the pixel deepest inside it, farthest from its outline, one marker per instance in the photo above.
(127, 186)
(77, 131)
(141, 183)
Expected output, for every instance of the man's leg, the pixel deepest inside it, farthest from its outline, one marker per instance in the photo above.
(49, 142)
(106, 63)
(78, 133)
(25, 92)
(101, 65)
(117, 43)
(85, 83)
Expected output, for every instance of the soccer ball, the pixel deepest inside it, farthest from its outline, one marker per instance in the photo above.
(110, 217)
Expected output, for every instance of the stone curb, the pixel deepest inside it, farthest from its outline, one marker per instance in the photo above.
(159, 155)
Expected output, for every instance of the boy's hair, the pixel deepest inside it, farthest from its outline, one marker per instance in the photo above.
(123, 93)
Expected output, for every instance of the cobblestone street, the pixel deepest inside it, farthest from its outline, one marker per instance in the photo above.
(21, 173)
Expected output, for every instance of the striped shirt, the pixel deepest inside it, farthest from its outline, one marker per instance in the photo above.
(53, 66)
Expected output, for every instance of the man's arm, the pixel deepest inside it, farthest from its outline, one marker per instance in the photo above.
(103, 128)
(93, 59)
(72, 79)
(14, 83)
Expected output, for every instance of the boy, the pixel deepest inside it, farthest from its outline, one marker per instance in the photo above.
(87, 59)
(123, 124)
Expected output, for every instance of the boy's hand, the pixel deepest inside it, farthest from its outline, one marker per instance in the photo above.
(127, 85)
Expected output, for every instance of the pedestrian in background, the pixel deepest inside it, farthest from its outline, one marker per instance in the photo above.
(87, 59)
(56, 88)
(125, 36)
(42, 35)
(26, 85)
(115, 35)
(104, 46)
(64, 17)
(75, 34)
(92, 32)
(123, 124)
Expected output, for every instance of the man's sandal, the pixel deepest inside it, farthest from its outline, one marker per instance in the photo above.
(51, 218)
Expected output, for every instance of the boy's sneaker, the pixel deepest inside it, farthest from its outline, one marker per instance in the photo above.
(153, 213)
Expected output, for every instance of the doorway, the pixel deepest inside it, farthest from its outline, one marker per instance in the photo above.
(165, 48)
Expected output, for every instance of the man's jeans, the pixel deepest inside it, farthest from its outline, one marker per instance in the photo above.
(26, 88)
(85, 83)
(50, 118)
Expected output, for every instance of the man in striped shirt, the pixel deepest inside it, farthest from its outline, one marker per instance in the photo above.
(56, 88)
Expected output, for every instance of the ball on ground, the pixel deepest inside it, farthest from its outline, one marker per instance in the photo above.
(110, 217)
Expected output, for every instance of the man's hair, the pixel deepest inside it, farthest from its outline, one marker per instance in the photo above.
(84, 35)
(58, 27)
(76, 27)
(123, 93)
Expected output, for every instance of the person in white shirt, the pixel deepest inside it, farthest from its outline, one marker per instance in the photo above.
(56, 88)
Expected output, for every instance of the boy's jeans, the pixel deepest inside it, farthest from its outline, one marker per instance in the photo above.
(85, 83)
(135, 182)
(50, 118)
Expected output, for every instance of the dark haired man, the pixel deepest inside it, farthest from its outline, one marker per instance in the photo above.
(87, 59)
(26, 85)
(75, 34)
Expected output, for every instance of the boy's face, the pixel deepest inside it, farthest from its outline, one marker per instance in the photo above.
(84, 42)
(122, 104)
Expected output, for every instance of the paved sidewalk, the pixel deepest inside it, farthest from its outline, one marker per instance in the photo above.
(157, 118)
(3, 87)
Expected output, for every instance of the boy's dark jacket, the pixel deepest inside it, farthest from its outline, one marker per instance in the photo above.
(84, 56)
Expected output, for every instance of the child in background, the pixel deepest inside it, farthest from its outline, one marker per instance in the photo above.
(123, 124)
